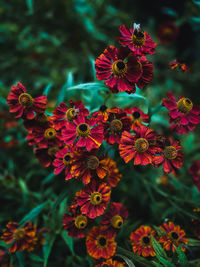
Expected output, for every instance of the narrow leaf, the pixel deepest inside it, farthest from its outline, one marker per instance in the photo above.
(68, 240)
(158, 249)
(34, 213)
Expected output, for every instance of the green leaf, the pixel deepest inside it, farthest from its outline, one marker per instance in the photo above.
(47, 89)
(64, 89)
(134, 257)
(126, 260)
(181, 257)
(35, 257)
(48, 178)
(68, 240)
(47, 249)
(165, 262)
(157, 264)
(20, 258)
(34, 213)
(193, 242)
(159, 230)
(158, 248)
(30, 6)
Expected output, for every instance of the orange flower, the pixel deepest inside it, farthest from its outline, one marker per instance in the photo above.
(174, 236)
(21, 237)
(141, 241)
(100, 243)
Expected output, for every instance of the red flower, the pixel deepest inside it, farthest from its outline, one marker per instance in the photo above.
(87, 165)
(171, 156)
(138, 41)
(46, 155)
(21, 238)
(196, 223)
(120, 69)
(83, 133)
(141, 241)
(115, 217)
(141, 146)
(183, 113)
(112, 262)
(39, 121)
(45, 136)
(175, 64)
(62, 114)
(195, 173)
(137, 116)
(174, 236)
(113, 176)
(167, 32)
(100, 243)
(5, 259)
(115, 125)
(63, 160)
(75, 223)
(23, 104)
(103, 113)
(93, 199)
(147, 73)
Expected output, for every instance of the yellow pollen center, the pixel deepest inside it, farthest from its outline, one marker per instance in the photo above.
(101, 241)
(92, 162)
(70, 114)
(116, 125)
(52, 150)
(184, 105)
(50, 133)
(25, 100)
(170, 152)
(138, 39)
(83, 130)
(119, 68)
(117, 221)
(19, 234)
(81, 222)
(141, 145)
(67, 158)
(95, 198)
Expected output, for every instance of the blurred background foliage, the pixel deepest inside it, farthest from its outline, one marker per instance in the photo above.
(50, 46)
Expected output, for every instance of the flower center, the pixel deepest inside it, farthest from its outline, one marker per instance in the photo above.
(19, 234)
(92, 162)
(101, 242)
(70, 114)
(184, 105)
(117, 221)
(81, 222)
(138, 38)
(83, 130)
(167, 31)
(50, 133)
(103, 108)
(41, 118)
(66, 158)
(174, 235)
(146, 240)
(170, 152)
(52, 150)
(95, 198)
(25, 100)
(119, 68)
(116, 125)
(136, 115)
(141, 145)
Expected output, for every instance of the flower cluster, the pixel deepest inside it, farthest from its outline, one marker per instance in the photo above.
(175, 64)
(125, 67)
(71, 140)
(171, 236)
